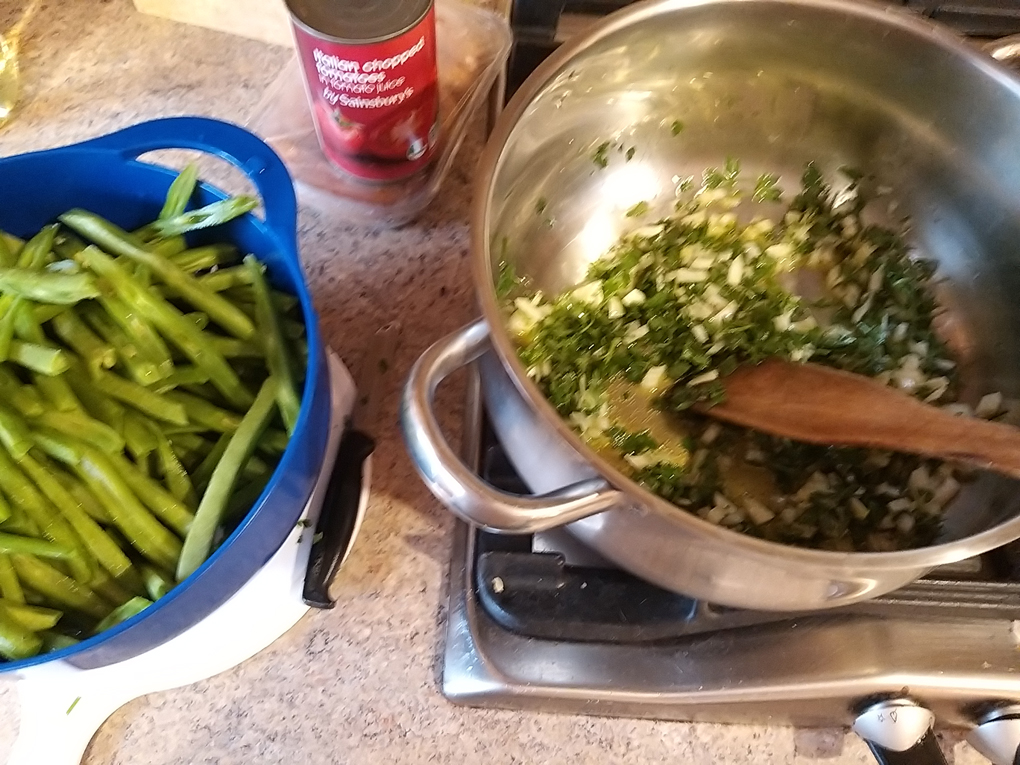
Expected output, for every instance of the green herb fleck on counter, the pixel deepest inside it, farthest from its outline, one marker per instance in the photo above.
(73, 705)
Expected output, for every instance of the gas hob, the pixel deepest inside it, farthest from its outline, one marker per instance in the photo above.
(540, 622)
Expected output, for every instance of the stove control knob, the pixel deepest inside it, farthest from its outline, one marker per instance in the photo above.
(997, 735)
(900, 732)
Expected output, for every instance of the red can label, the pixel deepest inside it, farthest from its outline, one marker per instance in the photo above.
(375, 105)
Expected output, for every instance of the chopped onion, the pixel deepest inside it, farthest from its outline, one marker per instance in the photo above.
(705, 378)
(655, 379)
(989, 405)
(634, 297)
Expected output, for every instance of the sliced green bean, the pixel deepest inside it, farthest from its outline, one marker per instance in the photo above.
(143, 336)
(14, 244)
(122, 613)
(143, 531)
(201, 258)
(157, 583)
(168, 247)
(82, 496)
(17, 642)
(141, 398)
(163, 505)
(67, 244)
(20, 523)
(97, 404)
(51, 523)
(214, 214)
(225, 278)
(14, 433)
(44, 313)
(72, 330)
(111, 590)
(53, 387)
(201, 412)
(56, 641)
(32, 618)
(139, 438)
(59, 588)
(198, 542)
(138, 366)
(24, 398)
(98, 542)
(175, 477)
(45, 359)
(276, 353)
(57, 390)
(232, 348)
(43, 287)
(13, 544)
(274, 441)
(182, 375)
(77, 424)
(199, 319)
(32, 256)
(119, 242)
(201, 475)
(58, 445)
(190, 449)
(179, 193)
(173, 324)
(7, 256)
(10, 587)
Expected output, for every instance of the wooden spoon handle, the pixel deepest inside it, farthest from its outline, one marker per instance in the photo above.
(816, 404)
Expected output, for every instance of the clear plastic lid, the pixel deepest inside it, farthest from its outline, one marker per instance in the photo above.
(472, 47)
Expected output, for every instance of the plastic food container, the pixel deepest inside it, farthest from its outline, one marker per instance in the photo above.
(104, 175)
(472, 45)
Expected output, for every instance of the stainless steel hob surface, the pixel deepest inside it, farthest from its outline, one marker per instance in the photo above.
(949, 644)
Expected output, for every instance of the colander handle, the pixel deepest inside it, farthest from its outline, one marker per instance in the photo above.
(246, 151)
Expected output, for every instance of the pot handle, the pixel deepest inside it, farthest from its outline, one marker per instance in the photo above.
(454, 483)
(1005, 50)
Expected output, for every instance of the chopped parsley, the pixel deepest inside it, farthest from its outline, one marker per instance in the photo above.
(726, 178)
(676, 306)
(507, 280)
(766, 189)
(540, 204)
(677, 127)
(601, 154)
(630, 153)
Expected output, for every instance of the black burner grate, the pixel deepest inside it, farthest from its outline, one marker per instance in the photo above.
(535, 24)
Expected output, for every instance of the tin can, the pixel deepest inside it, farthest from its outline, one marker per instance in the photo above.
(370, 73)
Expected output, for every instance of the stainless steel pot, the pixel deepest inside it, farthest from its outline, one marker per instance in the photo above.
(774, 83)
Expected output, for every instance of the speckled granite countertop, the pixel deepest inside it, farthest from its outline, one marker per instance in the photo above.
(360, 683)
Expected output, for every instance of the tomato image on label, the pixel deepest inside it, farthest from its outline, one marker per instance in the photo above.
(349, 133)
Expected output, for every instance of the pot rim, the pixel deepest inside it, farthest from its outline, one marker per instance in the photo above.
(490, 162)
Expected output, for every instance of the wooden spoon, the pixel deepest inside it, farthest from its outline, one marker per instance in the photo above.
(816, 404)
